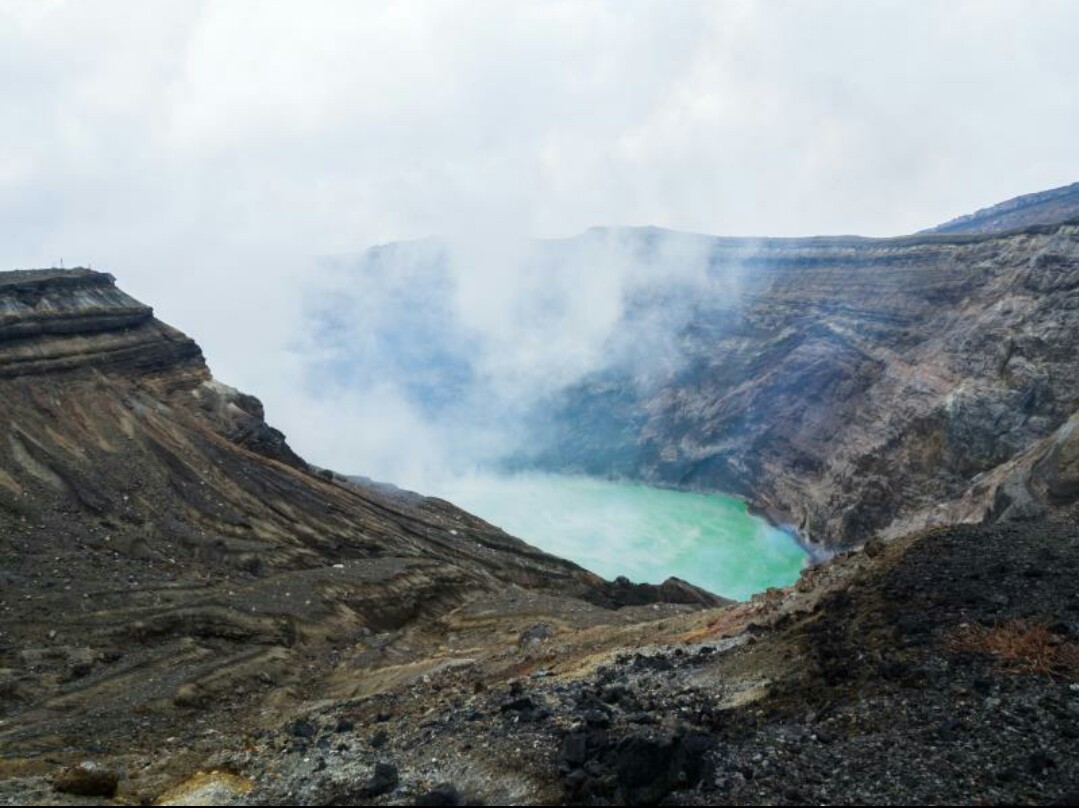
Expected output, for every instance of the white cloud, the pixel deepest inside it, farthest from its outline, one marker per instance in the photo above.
(207, 152)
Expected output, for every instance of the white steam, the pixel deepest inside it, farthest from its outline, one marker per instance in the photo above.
(434, 351)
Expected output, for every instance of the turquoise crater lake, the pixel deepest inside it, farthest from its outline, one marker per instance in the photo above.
(646, 534)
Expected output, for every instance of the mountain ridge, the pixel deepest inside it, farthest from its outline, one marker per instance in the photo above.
(1050, 207)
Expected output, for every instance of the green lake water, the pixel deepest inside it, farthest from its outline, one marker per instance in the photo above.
(646, 534)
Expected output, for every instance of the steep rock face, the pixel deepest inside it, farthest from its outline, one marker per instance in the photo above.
(163, 549)
(857, 386)
(54, 320)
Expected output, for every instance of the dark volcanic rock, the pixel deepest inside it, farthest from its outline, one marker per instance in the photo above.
(303, 729)
(647, 767)
(524, 710)
(442, 794)
(574, 749)
(88, 779)
(643, 767)
(383, 781)
(623, 592)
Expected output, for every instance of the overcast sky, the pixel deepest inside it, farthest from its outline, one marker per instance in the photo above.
(206, 153)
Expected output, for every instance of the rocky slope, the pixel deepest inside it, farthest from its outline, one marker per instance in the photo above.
(168, 563)
(941, 668)
(855, 387)
(1045, 207)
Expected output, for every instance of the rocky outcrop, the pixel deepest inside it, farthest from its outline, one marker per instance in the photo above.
(1056, 471)
(623, 592)
(54, 320)
(854, 387)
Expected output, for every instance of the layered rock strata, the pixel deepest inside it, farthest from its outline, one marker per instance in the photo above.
(852, 387)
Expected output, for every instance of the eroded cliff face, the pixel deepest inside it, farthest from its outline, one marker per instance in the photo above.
(164, 553)
(55, 320)
(858, 386)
